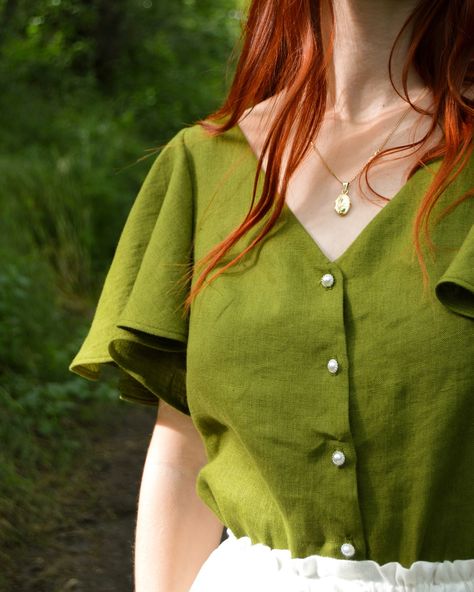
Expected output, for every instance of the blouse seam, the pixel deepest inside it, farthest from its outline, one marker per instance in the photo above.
(192, 177)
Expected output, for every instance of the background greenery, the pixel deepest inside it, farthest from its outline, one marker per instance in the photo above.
(90, 90)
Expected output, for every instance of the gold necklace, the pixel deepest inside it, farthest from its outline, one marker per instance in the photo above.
(342, 203)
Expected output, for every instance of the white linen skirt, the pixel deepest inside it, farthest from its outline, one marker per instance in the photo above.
(237, 565)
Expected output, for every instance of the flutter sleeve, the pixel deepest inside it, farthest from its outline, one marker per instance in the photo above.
(455, 288)
(139, 325)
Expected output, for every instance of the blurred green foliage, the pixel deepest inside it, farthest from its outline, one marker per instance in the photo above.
(90, 91)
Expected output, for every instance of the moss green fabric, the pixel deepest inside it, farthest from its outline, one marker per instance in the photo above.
(249, 364)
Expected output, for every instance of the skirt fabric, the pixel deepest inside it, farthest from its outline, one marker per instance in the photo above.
(237, 565)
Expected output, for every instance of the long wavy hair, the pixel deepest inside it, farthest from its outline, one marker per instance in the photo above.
(282, 52)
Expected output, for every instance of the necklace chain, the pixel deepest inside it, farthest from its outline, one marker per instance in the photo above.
(343, 202)
(379, 149)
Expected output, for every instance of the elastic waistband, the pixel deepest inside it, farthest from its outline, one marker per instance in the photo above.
(449, 576)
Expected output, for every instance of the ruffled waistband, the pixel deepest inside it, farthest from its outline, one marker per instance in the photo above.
(317, 573)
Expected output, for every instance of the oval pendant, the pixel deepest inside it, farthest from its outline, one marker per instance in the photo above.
(342, 204)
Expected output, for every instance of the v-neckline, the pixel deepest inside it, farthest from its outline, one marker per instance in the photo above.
(368, 229)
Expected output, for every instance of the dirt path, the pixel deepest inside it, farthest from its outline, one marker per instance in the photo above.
(93, 551)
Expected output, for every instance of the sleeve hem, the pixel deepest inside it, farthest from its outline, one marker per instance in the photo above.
(155, 331)
(135, 400)
(456, 280)
(457, 294)
(80, 366)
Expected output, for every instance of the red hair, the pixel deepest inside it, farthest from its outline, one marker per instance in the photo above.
(282, 49)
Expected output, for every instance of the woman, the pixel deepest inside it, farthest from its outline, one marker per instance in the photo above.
(309, 337)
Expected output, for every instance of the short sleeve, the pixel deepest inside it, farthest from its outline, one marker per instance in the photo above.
(455, 288)
(139, 325)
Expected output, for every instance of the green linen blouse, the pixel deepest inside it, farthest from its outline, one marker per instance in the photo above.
(337, 414)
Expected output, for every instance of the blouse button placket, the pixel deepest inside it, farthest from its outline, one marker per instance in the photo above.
(342, 484)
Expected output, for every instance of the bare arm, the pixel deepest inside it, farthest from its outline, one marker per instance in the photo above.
(175, 530)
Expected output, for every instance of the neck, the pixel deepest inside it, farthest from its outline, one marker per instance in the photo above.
(365, 31)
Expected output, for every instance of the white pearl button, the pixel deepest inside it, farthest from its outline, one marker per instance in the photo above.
(327, 281)
(333, 366)
(338, 458)
(348, 550)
